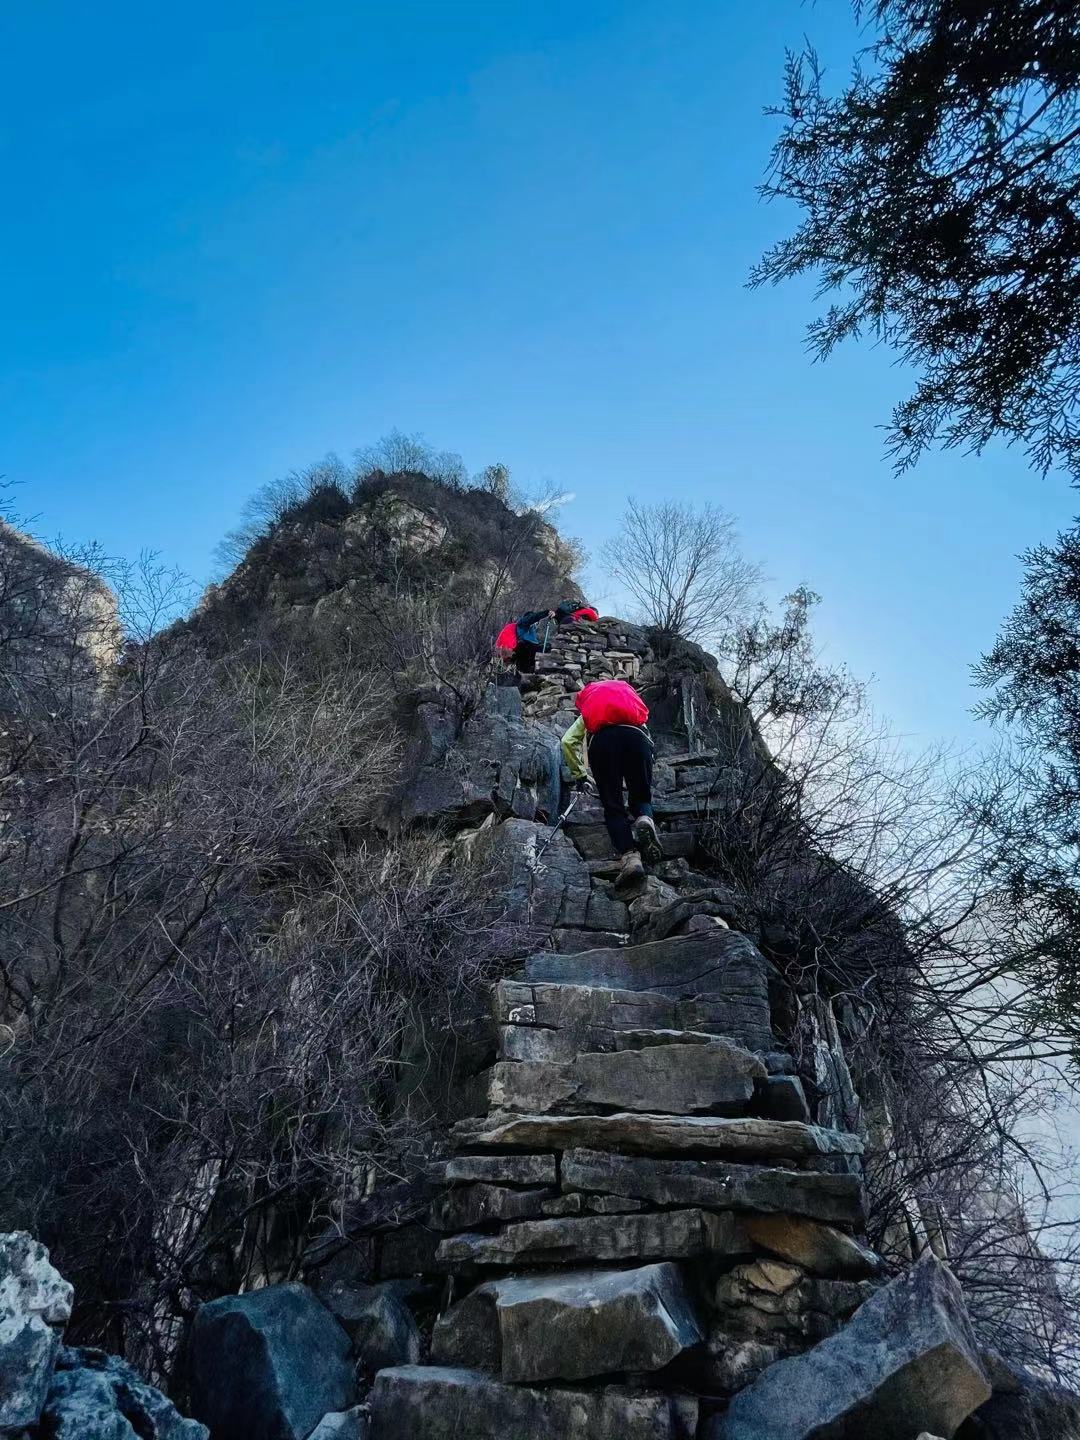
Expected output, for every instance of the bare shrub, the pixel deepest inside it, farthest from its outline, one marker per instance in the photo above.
(208, 960)
(871, 873)
(683, 566)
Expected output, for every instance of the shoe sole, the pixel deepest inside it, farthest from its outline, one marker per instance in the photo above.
(649, 846)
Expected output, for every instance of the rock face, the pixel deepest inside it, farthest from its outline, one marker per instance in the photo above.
(571, 1327)
(906, 1362)
(1022, 1407)
(441, 1403)
(35, 1304)
(95, 1396)
(270, 1363)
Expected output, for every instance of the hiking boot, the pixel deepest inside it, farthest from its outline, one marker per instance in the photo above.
(647, 840)
(631, 871)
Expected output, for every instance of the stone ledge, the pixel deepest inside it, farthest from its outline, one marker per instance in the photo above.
(442, 1403)
(656, 1134)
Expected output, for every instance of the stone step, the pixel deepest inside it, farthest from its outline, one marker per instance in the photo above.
(571, 1325)
(815, 1195)
(585, 1239)
(560, 1022)
(443, 1403)
(752, 1139)
(682, 964)
(495, 1170)
(720, 966)
(465, 1207)
(714, 1078)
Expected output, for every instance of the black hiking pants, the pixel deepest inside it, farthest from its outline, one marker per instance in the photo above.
(622, 755)
(525, 657)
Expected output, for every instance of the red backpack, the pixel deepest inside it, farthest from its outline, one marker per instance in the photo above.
(610, 702)
(587, 613)
(506, 640)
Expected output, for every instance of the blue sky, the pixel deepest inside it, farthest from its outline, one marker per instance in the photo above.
(240, 236)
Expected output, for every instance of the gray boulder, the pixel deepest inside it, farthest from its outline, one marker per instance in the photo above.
(378, 1323)
(906, 1362)
(35, 1303)
(343, 1425)
(94, 1396)
(269, 1363)
(571, 1327)
(441, 1403)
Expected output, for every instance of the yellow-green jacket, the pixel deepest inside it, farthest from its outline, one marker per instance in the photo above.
(573, 749)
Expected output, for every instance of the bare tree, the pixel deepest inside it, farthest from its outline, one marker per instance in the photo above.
(209, 956)
(683, 566)
(870, 874)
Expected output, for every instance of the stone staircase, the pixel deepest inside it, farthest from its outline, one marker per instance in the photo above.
(633, 1229)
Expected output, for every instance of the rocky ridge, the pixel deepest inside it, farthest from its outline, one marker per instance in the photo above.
(649, 1220)
(644, 1215)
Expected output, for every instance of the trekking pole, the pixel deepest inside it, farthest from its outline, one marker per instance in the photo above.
(547, 637)
(560, 823)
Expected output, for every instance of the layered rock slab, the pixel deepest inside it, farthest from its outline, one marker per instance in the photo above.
(464, 1207)
(571, 1327)
(496, 1170)
(656, 1134)
(810, 1194)
(720, 968)
(907, 1361)
(669, 1234)
(551, 1021)
(676, 1079)
(818, 1249)
(445, 1403)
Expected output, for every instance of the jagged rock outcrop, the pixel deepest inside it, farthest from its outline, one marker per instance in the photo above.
(653, 1204)
(51, 1392)
(94, 1396)
(35, 1305)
